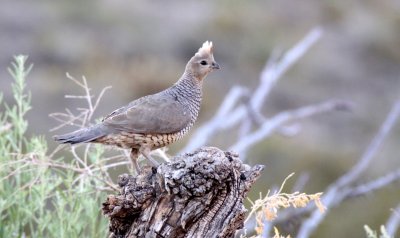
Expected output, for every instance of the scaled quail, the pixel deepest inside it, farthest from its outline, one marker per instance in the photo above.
(153, 121)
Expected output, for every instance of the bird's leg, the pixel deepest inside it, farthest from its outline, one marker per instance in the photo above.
(134, 158)
(146, 153)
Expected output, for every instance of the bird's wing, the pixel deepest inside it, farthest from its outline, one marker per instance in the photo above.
(158, 113)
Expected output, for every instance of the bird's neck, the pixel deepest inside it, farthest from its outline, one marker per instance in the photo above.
(190, 79)
(188, 92)
(189, 88)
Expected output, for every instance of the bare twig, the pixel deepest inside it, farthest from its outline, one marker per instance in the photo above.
(85, 114)
(103, 91)
(273, 71)
(113, 165)
(98, 170)
(363, 163)
(371, 186)
(392, 224)
(280, 119)
(80, 161)
(64, 122)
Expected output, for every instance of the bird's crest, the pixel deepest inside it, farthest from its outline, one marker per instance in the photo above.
(206, 49)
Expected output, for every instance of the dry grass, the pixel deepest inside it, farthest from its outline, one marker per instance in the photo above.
(266, 208)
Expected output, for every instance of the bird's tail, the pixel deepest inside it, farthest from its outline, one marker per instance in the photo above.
(83, 135)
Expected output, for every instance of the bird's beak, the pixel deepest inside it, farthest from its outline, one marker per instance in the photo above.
(214, 65)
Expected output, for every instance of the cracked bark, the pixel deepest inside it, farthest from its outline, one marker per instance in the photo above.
(198, 194)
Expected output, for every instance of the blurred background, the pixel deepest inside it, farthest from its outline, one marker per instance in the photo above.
(141, 47)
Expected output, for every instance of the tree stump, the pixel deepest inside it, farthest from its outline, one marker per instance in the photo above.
(198, 194)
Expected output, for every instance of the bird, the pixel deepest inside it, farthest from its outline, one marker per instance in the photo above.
(156, 120)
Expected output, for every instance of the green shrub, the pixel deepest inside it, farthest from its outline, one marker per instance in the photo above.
(41, 193)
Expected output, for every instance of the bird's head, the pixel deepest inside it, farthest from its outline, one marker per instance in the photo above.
(202, 62)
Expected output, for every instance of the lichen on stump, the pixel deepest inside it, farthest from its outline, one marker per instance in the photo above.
(198, 194)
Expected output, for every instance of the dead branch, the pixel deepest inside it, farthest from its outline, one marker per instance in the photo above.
(336, 193)
(198, 194)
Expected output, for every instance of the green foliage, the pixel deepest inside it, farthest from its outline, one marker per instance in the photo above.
(37, 198)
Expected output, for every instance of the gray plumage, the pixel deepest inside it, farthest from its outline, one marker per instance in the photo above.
(83, 135)
(155, 120)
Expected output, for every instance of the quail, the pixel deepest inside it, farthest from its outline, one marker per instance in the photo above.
(156, 120)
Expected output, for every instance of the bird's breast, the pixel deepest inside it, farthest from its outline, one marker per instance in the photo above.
(129, 140)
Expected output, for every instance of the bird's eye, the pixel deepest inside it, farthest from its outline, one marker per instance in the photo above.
(203, 62)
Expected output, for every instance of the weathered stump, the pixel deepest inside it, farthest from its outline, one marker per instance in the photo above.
(198, 194)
